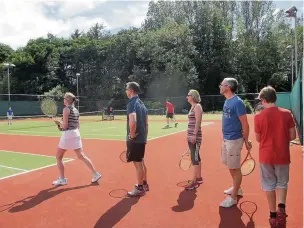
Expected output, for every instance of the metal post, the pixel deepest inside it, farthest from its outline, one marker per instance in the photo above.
(292, 12)
(296, 46)
(77, 76)
(8, 85)
(292, 68)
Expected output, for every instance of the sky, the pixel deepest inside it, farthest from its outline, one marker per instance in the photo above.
(21, 21)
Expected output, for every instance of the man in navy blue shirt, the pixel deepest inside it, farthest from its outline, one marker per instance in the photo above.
(137, 131)
(9, 116)
(235, 129)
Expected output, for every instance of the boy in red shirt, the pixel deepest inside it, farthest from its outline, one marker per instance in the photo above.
(274, 129)
(170, 113)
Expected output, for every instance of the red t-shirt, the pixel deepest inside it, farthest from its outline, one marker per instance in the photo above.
(170, 107)
(273, 125)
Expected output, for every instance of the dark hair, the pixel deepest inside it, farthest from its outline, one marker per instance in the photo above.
(133, 86)
(233, 84)
(168, 100)
(268, 94)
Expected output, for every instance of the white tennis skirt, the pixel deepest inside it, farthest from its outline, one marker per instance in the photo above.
(10, 117)
(70, 140)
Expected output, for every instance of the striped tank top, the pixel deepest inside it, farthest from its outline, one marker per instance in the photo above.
(73, 119)
(191, 126)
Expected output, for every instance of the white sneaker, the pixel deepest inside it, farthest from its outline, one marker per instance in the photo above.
(60, 181)
(136, 192)
(229, 191)
(228, 202)
(96, 177)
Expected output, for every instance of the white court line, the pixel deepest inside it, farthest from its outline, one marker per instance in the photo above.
(8, 167)
(54, 136)
(101, 134)
(16, 152)
(32, 170)
(173, 133)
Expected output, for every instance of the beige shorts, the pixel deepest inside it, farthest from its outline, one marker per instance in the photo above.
(231, 153)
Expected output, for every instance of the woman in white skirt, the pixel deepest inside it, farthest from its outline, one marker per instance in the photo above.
(71, 140)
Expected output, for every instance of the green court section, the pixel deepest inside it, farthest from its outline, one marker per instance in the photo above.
(115, 130)
(16, 162)
(5, 171)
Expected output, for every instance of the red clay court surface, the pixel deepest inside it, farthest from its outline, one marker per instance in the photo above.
(30, 200)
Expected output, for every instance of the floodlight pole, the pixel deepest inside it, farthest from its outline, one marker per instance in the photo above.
(296, 45)
(292, 12)
(77, 76)
(291, 48)
(8, 65)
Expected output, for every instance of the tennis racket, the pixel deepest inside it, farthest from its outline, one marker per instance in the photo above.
(185, 161)
(248, 164)
(123, 156)
(49, 108)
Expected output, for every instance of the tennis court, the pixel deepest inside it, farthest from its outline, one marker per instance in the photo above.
(14, 163)
(28, 199)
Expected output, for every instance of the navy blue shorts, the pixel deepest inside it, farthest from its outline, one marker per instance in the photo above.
(135, 151)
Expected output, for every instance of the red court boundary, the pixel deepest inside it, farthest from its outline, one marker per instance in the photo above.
(79, 204)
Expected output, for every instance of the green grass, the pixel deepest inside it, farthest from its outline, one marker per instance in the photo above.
(92, 127)
(14, 162)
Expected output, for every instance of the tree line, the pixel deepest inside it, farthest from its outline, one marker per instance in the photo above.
(180, 45)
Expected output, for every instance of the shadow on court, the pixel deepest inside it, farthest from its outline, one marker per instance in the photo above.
(185, 201)
(111, 217)
(232, 217)
(42, 196)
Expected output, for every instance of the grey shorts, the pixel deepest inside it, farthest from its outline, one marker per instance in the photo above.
(231, 153)
(274, 176)
(194, 149)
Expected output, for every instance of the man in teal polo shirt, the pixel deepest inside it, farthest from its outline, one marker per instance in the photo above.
(137, 131)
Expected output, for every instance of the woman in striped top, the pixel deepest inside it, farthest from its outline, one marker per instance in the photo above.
(71, 139)
(194, 137)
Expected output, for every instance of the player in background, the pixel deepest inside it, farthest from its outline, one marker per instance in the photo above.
(10, 115)
(170, 113)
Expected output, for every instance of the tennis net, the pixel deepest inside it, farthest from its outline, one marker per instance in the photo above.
(93, 116)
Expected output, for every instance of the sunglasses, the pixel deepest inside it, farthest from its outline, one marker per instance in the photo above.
(223, 85)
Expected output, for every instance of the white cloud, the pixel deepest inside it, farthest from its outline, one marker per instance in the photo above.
(132, 15)
(22, 21)
(70, 9)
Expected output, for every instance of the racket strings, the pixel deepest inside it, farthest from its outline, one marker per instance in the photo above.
(185, 162)
(247, 167)
(49, 107)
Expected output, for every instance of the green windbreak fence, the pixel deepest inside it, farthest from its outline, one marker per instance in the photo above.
(283, 100)
(296, 103)
(293, 102)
